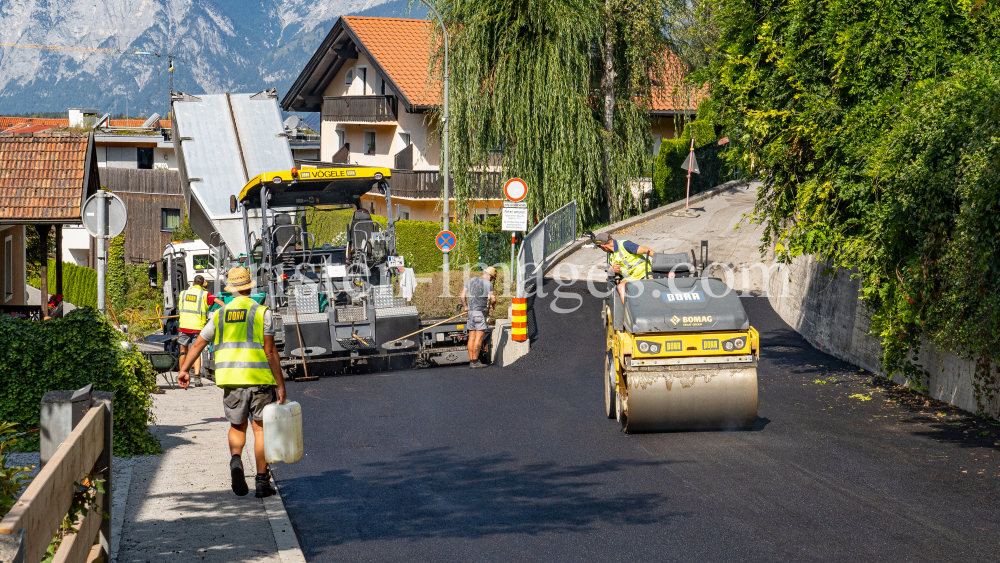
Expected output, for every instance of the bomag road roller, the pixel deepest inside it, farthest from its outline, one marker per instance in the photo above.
(681, 354)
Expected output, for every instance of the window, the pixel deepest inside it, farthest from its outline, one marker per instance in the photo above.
(144, 158)
(202, 262)
(381, 87)
(404, 138)
(171, 219)
(8, 268)
(341, 140)
(657, 139)
(369, 143)
(363, 76)
(349, 78)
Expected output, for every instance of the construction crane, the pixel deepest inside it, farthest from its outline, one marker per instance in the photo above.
(170, 56)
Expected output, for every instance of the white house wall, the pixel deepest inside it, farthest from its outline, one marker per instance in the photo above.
(387, 135)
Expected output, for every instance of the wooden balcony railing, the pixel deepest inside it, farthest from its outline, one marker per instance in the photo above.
(360, 109)
(418, 184)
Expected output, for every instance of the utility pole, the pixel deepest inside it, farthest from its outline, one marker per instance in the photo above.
(444, 139)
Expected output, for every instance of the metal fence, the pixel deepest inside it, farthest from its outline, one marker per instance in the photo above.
(549, 236)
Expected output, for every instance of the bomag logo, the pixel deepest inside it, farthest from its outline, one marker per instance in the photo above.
(709, 344)
(332, 173)
(191, 298)
(675, 319)
(238, 316)
(697, 319)
(673, 346)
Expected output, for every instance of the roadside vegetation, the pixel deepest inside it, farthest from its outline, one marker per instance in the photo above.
(873, 127)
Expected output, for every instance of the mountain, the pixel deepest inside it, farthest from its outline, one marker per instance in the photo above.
(219, 46)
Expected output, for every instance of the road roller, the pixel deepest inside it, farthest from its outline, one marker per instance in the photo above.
(681, 354)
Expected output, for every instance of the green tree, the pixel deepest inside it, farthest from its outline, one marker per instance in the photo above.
(555, 93)
(184, 230)
(871, 125)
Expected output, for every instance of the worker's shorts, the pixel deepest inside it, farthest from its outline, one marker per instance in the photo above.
(186, 338)
(477, 320)
(241, 402)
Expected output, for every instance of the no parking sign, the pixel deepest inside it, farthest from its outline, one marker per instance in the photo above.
(445, 241)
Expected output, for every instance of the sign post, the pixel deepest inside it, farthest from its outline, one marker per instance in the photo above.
(515, 213)
(104, 217)
(691, 165)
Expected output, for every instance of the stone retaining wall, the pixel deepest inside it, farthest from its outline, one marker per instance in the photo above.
(828, 312)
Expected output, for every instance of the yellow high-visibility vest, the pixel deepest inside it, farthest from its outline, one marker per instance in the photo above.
(239, 345)
(633, 266)
(194, 308)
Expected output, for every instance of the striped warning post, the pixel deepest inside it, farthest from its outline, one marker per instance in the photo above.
(519, 319)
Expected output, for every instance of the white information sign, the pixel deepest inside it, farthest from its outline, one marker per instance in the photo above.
(514, 219)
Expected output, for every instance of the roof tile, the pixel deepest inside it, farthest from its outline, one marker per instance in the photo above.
(402, 49)
(41, 175)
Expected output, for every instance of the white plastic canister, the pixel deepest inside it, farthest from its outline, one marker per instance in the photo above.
(283, 432)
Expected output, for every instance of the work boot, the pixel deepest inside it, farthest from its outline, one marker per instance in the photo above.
(264, 488)
(475, 364)
(239, 479)
(196, 379)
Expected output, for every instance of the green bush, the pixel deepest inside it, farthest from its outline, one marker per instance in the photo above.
(415, 240)
(117, 278)
(69, 353)
(79, 284)
(669, 179)
(13, 480)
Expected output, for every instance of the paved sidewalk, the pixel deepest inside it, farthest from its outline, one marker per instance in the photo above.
(180, 505)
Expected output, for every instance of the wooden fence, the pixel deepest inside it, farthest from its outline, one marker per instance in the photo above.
(28, 529)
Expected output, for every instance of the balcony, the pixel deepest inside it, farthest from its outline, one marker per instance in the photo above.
(360, 109)
(418, 184)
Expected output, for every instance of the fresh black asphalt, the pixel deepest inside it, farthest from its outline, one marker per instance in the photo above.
(520, 464)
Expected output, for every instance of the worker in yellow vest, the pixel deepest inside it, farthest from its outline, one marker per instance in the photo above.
(195, 302)
(625, 257)
(247, 368)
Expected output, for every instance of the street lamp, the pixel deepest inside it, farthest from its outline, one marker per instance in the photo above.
(444, 139)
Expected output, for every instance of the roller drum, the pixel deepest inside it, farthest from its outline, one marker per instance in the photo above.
(691, 398)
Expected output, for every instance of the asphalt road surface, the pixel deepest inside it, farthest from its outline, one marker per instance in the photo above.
(520, 464)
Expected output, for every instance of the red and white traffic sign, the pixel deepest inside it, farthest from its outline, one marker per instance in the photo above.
(515, 189)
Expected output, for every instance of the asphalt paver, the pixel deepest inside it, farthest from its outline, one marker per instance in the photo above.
(521, 464)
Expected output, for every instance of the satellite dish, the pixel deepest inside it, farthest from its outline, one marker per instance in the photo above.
(292, 122)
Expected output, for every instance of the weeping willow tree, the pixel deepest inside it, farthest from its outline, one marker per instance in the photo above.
(531, 82)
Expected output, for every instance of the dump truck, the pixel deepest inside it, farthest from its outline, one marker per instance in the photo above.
(681, 354)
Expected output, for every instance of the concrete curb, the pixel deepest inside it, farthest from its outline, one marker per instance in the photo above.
(281, 526)
(651, 214)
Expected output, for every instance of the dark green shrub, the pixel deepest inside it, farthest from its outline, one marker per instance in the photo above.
(79, 284)
(669, 179)
(68, 353)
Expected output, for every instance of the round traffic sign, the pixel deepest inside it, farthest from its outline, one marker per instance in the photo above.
(515, 189)
(445, 241)
(114, 211)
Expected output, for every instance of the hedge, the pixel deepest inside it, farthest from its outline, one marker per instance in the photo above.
(79, 284)
(68, 353)
(414, 239)
(669, 179)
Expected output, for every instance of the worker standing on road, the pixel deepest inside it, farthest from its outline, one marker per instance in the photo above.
(625, 257)
(248, 369)
(478, 298)
(195, 302)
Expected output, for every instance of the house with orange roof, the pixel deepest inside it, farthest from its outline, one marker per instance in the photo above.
(369, 81)
(45, 178)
